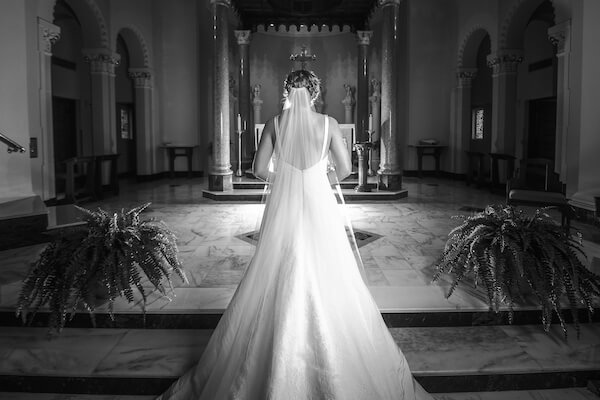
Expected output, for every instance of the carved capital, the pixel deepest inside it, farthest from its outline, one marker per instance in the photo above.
(465, 76)
(48, 34)
(142, 77)
(225, 3)
(560, 36)
(364, 37)
(102, 61)
(384, 3)
(505, 62)
(243, 37)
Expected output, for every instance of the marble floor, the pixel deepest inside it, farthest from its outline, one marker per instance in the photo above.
(407, 237)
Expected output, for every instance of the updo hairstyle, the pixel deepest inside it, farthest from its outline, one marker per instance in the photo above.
(303, 78)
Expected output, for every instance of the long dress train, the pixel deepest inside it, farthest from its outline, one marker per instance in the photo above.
(302, 325)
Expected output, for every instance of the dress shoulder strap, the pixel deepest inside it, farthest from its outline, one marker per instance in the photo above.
(276, 123)
(325, 137)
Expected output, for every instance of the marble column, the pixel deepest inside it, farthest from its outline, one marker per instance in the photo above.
(560, 36)
(243, 41)
(220, 174)
(460, 137)
(362, 86)
(48, 34)
(104, 121)
(391, 148)
(504, 99)
(146, 148)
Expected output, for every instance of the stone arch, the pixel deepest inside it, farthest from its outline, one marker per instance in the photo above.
(467, 51)
(136, 45)
(94, 28)
(517, 18)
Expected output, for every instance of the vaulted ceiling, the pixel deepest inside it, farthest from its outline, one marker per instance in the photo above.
(325, 14)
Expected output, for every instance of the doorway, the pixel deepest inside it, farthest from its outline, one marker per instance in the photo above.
(542, 128)
(126, 142)
(64, 117)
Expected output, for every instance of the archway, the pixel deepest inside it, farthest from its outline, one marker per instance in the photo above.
(136, 71)
(473, 87)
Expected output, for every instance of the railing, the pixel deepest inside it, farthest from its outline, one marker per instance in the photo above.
(12, 145)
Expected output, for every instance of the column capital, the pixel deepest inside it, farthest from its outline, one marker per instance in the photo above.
(101, 60)
(243, 37)
(364, 37)
(142, 77)
(560, 36)
(384, 3)
(225, 3)
(505, 61)
(465, 76)
(48, 34)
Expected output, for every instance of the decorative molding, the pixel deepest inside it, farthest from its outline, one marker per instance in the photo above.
(364, 37)
(48, 34)
(465, 77)
(243, 37)
(375, 86)
(463, 46)
(560, 36)
(142, 77)
(384, 3)
(101, 60)
(104, 42)
(505, 62)
(141, 42)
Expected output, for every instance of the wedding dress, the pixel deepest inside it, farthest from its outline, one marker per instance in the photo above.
(302, 324)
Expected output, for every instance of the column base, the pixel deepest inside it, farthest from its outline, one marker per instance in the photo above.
(389, 182)
(220, 183)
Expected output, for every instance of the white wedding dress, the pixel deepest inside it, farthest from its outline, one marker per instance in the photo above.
(302, 325)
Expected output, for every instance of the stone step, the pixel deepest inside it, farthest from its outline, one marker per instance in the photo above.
(254, 194)
(209, 320)
(548, 394)
(443, 359)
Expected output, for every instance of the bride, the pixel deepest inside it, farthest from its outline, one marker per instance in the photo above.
(302, 325)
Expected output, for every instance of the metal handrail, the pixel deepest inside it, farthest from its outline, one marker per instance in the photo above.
(12, 145)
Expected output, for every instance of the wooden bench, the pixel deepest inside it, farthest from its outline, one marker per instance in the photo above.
(538, 185)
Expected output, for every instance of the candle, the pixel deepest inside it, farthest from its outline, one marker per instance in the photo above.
(370, 122)
(239, 122)
(244, 125)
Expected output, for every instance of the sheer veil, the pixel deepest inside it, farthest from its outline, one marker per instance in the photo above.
(301, 143)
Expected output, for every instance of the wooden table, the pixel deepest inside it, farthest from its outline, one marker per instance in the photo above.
(434, 150)
(174, 151)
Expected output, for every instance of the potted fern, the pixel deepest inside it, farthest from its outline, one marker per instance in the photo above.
(104, 259)
(512, 254)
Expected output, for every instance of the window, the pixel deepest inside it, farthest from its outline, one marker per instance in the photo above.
(477, 119)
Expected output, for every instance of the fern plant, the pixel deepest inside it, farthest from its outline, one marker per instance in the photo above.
(510, 253)
(111, 253)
